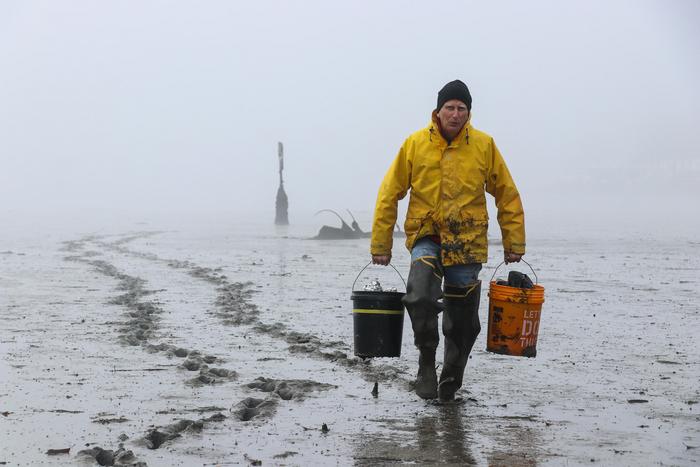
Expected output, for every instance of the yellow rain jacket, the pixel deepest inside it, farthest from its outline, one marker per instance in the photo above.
(447, 183)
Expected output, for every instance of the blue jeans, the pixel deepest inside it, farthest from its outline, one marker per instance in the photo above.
(458, 275)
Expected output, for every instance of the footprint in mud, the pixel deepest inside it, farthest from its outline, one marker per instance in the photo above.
(195, 361)
(108, 457)
(208, 274)
(289, 389)
(234, 305)
(192, 364)
(251, 407)
(180, 352)
(157, 436)
(212, 376)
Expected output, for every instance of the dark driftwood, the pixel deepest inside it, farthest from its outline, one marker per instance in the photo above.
(345, 231)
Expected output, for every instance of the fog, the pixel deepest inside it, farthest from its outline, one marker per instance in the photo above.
(132, 111)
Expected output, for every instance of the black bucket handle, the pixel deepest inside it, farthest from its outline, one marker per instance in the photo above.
(503, 262)
(358, 275)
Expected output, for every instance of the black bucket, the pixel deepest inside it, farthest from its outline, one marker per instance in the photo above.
(377, 322)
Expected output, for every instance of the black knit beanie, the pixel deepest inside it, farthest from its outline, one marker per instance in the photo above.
(454, 90)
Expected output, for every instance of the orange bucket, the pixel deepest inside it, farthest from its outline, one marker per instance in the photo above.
(514, 318)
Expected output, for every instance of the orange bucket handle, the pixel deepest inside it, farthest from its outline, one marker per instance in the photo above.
(503, 262)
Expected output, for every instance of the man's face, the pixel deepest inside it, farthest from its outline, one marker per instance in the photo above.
(452, 117)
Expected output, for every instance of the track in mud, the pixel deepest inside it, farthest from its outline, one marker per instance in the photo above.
(233, 309)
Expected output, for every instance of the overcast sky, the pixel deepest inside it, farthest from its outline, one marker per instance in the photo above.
(169, 108)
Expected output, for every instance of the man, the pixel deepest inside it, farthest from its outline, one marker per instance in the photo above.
(447, 166)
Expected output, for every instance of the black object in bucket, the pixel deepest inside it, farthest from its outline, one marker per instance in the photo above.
(377, 321)
(515, 278)
(519, 280)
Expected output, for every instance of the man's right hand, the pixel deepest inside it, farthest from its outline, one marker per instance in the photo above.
(382, 260)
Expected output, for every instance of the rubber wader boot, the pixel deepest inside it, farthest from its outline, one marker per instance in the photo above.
(423, 290)
(460, 325)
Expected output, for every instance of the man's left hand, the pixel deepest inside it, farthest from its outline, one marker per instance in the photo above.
(509, 257)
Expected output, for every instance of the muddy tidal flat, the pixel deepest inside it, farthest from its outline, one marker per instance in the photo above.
(235, 347)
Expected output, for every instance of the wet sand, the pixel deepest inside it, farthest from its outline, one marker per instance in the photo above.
(182, 348)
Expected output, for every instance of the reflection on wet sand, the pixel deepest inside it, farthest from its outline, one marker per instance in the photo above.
(281, 249)
(438, 437)
(447, 436)
(445, 433)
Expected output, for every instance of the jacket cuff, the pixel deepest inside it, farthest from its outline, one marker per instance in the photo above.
(517, 248)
